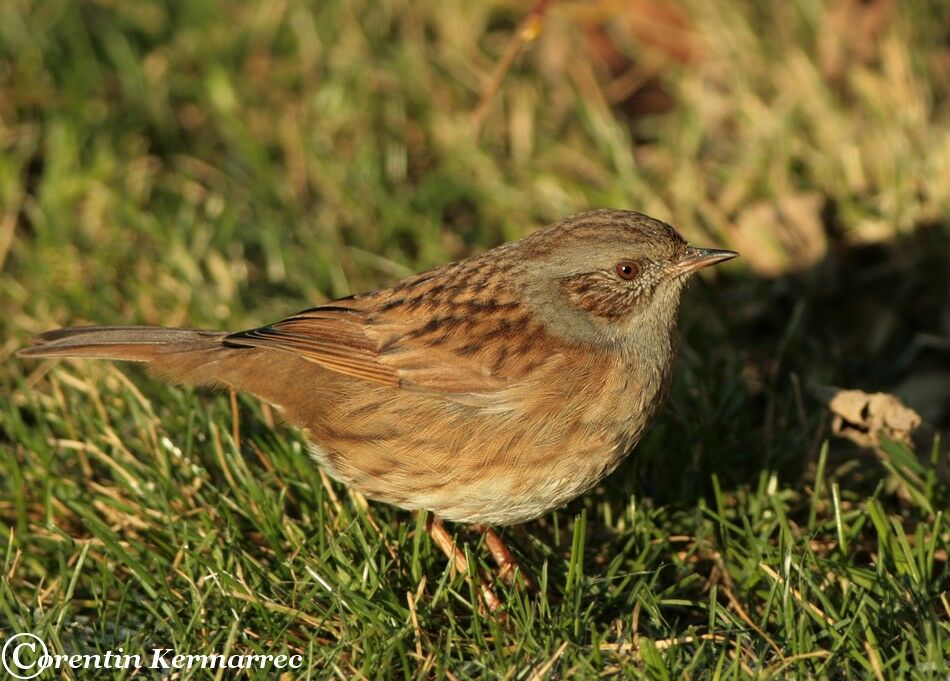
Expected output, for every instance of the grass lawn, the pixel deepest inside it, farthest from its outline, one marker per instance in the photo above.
(223, 165)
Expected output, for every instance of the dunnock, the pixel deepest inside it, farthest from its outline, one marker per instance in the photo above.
(487, 391)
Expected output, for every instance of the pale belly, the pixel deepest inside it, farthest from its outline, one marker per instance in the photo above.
(476, 466)
(497, 498)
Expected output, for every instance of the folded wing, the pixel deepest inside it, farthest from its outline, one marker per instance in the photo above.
(463, 343)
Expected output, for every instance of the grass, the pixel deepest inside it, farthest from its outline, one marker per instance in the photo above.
(221, 166)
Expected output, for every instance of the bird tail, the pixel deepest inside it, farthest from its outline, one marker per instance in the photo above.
(183, 355)
(195, 357)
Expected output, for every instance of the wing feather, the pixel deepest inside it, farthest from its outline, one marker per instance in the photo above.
(452, 333)
(332, 339)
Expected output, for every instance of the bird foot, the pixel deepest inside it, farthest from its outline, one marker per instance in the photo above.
(508, 566)
(444, 541)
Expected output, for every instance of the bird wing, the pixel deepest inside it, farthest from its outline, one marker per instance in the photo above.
(331, 336)
(468, 349)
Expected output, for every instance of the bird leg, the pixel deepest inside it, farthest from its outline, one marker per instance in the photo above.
(440, 536)
(507, 563)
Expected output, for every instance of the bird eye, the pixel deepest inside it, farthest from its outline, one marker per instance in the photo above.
(627, 269)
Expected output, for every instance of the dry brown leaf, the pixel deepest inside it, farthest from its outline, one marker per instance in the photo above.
(864, 417)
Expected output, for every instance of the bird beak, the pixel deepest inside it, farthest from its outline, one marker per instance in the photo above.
(697, 258)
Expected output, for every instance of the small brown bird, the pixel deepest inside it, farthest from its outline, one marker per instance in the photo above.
(487, 391)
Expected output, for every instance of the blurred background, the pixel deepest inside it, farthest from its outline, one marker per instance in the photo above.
(223, 164)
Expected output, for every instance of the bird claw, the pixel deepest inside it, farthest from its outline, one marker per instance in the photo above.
(508, 566)
(442, 539)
